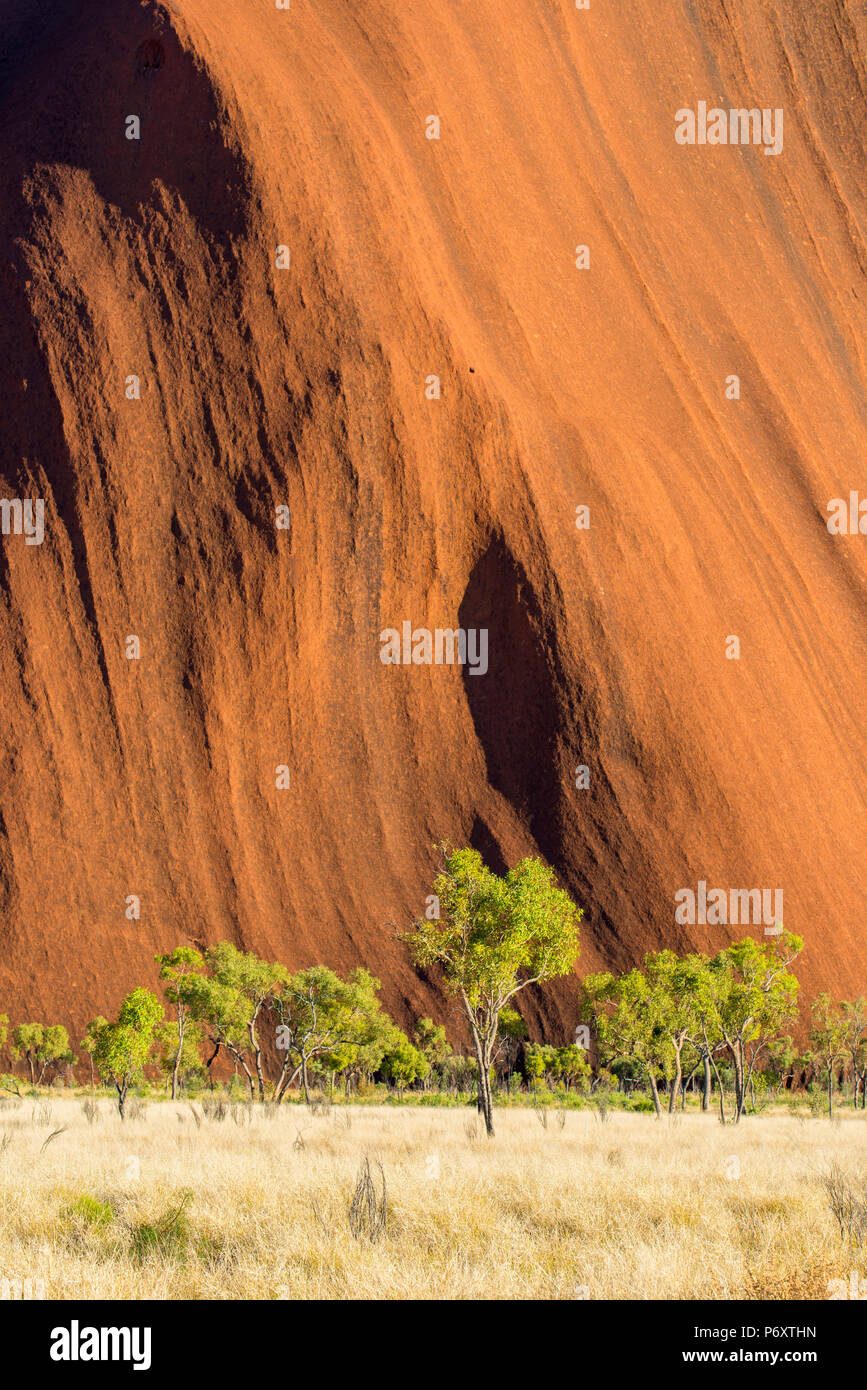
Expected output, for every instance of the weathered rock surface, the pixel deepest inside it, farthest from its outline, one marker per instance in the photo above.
(305, 387)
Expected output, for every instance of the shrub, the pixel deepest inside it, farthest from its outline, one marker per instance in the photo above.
(88, 1211)
(169, 1237)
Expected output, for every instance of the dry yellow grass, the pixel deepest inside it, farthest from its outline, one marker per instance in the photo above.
(629, 1208)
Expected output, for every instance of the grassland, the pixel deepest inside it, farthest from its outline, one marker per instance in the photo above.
(175, 1203)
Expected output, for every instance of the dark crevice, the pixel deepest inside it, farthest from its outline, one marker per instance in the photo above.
(514, 706)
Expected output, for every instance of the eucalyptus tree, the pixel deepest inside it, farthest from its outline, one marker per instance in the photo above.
(828, 1042)
(339, 1023)
(494, 937)
(122, 1048)
(629, 1024)
(675, 985)
(855, 1019)
(177, 971)
(261, 983)
(748, 993)
(225, 1013)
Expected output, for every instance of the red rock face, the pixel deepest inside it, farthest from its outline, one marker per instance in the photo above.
(305, 387)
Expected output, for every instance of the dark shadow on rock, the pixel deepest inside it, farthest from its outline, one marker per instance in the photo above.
(514, 705)
(482, 839)
(72, 72)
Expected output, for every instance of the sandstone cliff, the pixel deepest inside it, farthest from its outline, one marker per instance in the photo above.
(305, 387)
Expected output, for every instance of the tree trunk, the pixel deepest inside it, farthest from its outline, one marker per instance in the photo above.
(304, 1080)
(284, 1082)
(705, 1095)
(740, 1085)
(239, 1062)
(176, 1068)
(257, 1054)
(654, 1091)
(210, 1063)
(722, 1094)
(675, 1086)
(485, 1102)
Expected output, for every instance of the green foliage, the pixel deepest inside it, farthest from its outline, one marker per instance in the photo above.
(403, 1064)
(177, 969)
(256, 980)
(641, 1103)
(121, 1049)
(88, 1042)
(222, 1009)
(42, 1046)
(189, 1064)
(751, 991)
(89, 1212)
(170, 1237)
(496, 935)
(540, 1060)
(511, 1025)
(336, 1024)
(572, 1067)
(828, 1032)
(239, 989)
(430, 1038)
(628, 1020)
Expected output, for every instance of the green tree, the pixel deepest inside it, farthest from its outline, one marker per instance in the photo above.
(675, 983)
(339, 1023)
(404, 1064)
(41, 1047)
(511, 1032)
(180, 1061)
(855, 1022)
(573, 1067)
(367, 1026)
(121, 1049)
(224, 1013)
(55, 1051)
(259, 982)
(829, 1042)
(628, 1024)
(747, 994)
(494, 937)
(26, 1040)
(541, 1062)
(88, 1043)
(177, 969)
(781, 1059)
(430, 1039)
